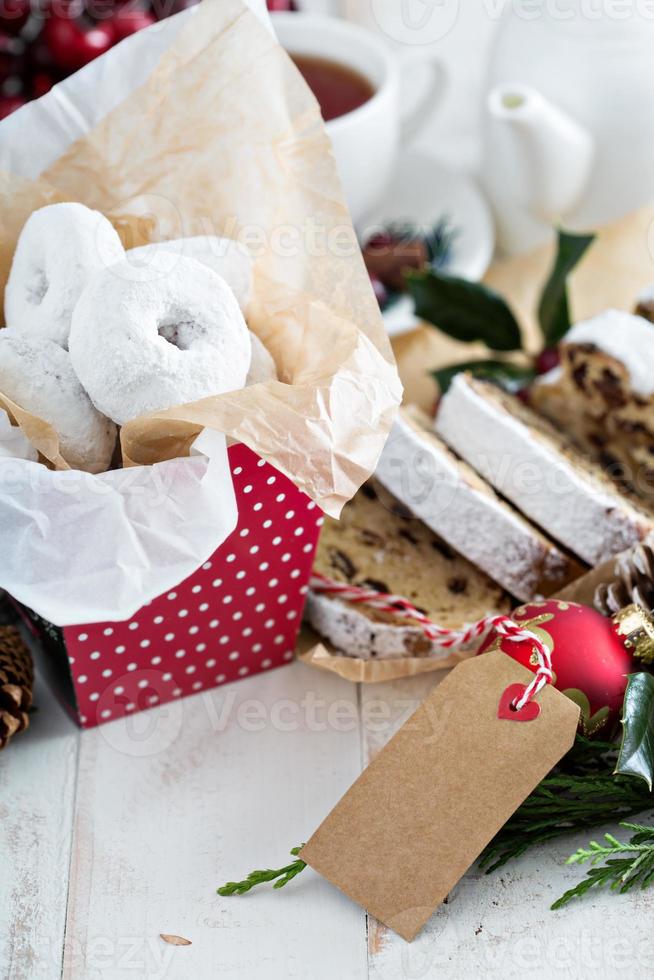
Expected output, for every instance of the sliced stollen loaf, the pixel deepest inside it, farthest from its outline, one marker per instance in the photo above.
(455, 503)
(378, 544)
(603, 394)
(539, 470)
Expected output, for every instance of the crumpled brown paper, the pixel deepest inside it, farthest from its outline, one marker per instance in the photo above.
(225, 138)
(619, 264)
(315, 652)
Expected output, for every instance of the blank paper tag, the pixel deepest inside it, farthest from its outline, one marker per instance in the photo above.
(436, 795)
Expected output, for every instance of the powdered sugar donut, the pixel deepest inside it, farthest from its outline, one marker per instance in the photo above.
(60, 247)
(262, 366)
(141, 346)
(37, 374)
(228, 258)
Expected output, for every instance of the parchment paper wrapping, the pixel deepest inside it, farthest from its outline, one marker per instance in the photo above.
(583, 589)
(619, 264)
(220, 135)
(315, 652)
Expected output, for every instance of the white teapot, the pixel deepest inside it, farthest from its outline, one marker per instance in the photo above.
(569, 119)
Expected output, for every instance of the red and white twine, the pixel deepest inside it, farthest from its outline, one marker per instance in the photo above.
(441, 636)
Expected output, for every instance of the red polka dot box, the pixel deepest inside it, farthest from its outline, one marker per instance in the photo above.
(237, 615)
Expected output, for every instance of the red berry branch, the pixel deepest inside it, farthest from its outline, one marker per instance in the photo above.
(43, 41)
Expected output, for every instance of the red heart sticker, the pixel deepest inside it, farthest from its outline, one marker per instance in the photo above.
(506, 711)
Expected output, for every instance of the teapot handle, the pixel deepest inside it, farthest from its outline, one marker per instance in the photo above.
(413, 118)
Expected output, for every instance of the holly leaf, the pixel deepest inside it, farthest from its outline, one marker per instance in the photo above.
(636, 757)
(553, 309)
(511, 377)
(464, 310)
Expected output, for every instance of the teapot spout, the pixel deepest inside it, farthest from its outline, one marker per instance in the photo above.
(547, 155)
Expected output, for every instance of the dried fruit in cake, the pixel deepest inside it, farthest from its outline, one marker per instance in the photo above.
(540, 471)
(602, 394)
(456, 503)
(378, 544)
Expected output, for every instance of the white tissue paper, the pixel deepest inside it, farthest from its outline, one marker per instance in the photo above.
(33, 137)
(74, 547)
(79, 548)
(13, 442)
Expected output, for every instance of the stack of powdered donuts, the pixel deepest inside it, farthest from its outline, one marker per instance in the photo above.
(96, 335)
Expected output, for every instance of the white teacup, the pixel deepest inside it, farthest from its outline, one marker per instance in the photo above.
(366, 141)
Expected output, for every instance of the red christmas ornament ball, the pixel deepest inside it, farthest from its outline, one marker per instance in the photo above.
(73, 43)
(589, 657)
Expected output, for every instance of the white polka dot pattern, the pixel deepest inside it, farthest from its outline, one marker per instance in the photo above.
(252, 599)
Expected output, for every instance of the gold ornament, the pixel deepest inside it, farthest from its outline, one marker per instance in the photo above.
(637, 625)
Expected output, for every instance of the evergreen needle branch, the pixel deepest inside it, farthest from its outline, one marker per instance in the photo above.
(626, 864)
(283, 876)
(581, 793)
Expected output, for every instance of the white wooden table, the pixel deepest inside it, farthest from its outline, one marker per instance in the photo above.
(110, 837)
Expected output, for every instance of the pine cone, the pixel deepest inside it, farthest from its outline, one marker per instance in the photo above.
(16, 682)
(8, 612)
(634, 582)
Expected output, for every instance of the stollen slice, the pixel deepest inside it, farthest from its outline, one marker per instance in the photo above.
(602, 395)
(457, 504)
(380, 545)
(539, 470)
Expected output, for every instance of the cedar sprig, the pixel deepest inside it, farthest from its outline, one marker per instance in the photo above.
(626, 864)
(284, 875)
(580, 793)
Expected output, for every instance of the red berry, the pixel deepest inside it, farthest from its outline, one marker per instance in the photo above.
(9, 104)
(14, 14)
(41, 84)
(166, 8)
(128, 21)
(40, 57)
(380, 291)
(280, 6)
(73, 45)
(12, 57)
(547, 360)
(381, 241)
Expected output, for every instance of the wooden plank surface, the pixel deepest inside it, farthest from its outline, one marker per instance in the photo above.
(500, 925)
(37, 797)
(172, 803)
(157, 811)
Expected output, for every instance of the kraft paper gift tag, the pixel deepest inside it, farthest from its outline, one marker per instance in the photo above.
(426, 807)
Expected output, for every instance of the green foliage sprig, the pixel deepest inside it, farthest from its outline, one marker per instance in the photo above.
(471, 311)
(626, 866)
(636, 757)
(283, 876)
(582, 792)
